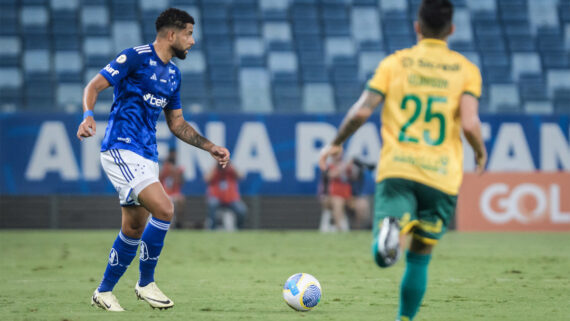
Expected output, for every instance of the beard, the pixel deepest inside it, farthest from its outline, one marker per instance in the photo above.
(180, 54)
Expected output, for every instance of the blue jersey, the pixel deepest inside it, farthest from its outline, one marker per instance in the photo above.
(143, 87)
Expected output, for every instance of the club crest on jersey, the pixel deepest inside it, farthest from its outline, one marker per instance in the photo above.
(154, 101)
(122, 58)
(171, 71)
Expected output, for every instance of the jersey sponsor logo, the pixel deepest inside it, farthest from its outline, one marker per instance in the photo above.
(154, 101)
(153, 77)
(163, 80)
(122, 58)
(111, 70)
(124, 139)
(152, 62)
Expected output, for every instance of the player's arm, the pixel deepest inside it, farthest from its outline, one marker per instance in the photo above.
(471, 125)
(356, 116)
(90, 94)
(181, 129)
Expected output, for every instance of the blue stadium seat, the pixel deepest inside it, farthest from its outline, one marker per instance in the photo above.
(365, 24)
(68, 66)
(561, 101)
(126, 34)
(243, 28)
(504, 98)
(95, 21)
(98, 51)
(367, 64)
(34, 19)
(255, 90)
(521, 44)
(318, 98)
(555, 59)
(65, 22)
(11, 81)
(11, 51)
(124, 10)
(69, 97)
(287, 97)
(525, 63)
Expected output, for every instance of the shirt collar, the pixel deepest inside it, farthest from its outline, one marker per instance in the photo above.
(432, 42)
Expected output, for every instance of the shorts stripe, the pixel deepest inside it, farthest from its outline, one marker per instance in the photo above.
(124, 163)
(125, 174)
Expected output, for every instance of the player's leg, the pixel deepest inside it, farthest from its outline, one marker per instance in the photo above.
(414, 280)
(156, 201)
(394, 215)
(122, 254)
(435, 211)
(240, 210)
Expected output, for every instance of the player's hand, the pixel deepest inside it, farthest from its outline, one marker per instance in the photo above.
(86, 128)
(221, 155)
(329, 150)
(481, 159)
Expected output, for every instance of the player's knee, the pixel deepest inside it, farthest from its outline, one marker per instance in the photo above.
(133, 229)
(165, 212)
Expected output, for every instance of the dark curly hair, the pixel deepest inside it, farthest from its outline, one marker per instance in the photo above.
(173, 17)
(435, 18)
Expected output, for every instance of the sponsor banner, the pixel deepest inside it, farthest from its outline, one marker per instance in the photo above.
(514, 202)
(40, 154)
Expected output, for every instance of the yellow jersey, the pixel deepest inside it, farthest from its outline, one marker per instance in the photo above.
(422, 87)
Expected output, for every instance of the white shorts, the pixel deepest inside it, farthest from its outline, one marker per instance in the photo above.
(129, 173)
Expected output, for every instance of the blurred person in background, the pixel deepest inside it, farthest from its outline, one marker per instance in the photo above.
(223, 193)
(430, 95)
(337, 175)
(145, 83)
(360, 202)
(172, 178)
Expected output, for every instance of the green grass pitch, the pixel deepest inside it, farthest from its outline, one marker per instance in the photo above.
(50, 275)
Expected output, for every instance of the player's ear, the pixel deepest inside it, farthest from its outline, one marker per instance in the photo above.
(451, 30)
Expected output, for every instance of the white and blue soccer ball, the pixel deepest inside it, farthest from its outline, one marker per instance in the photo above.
(302, 291)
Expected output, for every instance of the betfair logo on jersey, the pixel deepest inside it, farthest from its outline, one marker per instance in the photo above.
(156, 102)
(111, 70)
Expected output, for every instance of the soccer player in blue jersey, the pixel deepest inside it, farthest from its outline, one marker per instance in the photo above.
(145, 83)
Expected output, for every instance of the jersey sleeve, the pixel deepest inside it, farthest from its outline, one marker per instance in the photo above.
(473, 81)
(125, 63)
(381, 78)
(174, 101)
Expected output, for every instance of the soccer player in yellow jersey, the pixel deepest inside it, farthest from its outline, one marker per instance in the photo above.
(430, 94)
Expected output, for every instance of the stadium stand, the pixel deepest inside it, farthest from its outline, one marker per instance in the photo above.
(310, 56)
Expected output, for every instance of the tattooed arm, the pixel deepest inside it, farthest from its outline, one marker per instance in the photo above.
(181, 129)
(356, 116)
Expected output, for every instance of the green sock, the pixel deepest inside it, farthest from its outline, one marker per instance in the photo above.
(413, 284)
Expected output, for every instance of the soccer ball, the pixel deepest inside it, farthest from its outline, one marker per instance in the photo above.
(302, 291)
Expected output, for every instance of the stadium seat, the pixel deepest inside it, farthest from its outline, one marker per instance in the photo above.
(68, 66)
(538, 107)
(543, 13)
(126, 34)
(276, 31)
(367, 63)
(462, 21)
(11, 51)
(255, 90)
(338, 47)
(318, 98)
(95, 20)
(69, 97)
(249, 46)
(34, 18)
(274, 10)
(481, 5)
(562, 101)
(153, 5)
(398, 5)
(365, 24)
(504, 98)
(557, 79)
(282, 62)
(98, 51)
(525, 63)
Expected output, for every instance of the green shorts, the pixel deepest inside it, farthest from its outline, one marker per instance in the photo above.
(422, 210)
